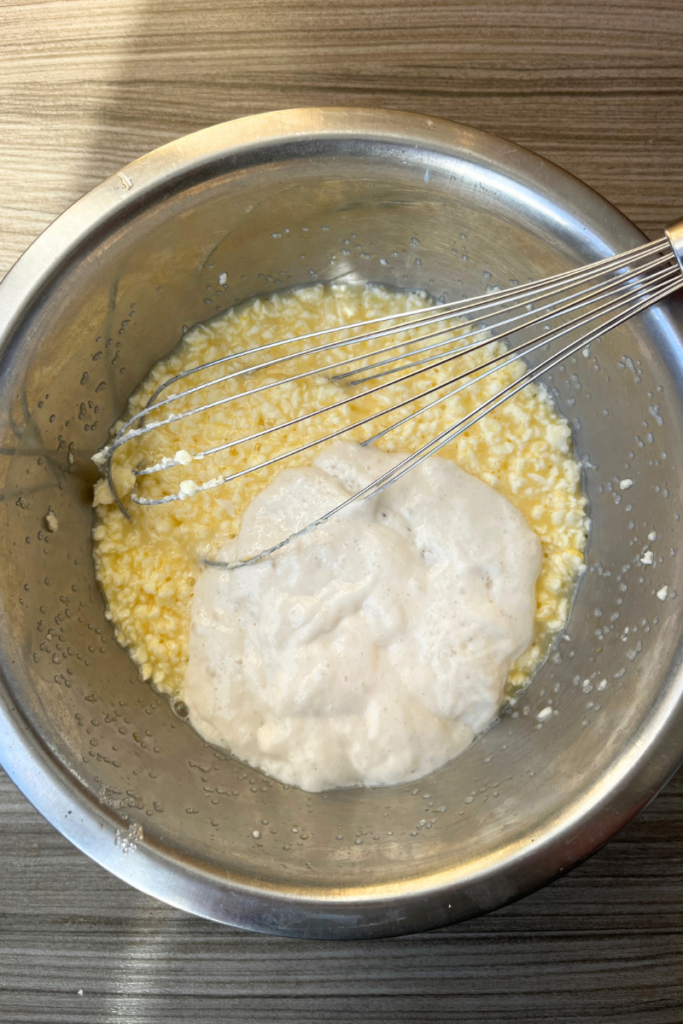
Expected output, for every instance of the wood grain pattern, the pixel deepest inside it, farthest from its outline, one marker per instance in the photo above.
(602, 945)
(88, 85)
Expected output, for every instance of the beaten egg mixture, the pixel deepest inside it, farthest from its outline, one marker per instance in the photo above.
(148, 565)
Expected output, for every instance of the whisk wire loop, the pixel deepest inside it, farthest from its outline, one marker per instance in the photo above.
(586, 303)
(435, 445)
(497, 362)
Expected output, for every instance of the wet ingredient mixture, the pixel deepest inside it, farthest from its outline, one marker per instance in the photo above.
(149, 565)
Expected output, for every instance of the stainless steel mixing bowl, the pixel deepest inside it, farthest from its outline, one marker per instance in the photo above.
(272, 201)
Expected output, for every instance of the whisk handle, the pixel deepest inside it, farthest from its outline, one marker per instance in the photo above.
(675, 236)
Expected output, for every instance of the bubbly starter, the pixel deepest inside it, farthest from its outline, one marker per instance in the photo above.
(373, 649)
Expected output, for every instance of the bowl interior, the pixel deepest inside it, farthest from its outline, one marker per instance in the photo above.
(282, 213)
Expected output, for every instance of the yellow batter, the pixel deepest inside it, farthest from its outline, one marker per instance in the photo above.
(148, 565)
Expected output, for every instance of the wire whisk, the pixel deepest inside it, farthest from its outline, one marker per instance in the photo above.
(574, 309)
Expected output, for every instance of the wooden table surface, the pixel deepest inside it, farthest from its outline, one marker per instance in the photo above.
(87, 85)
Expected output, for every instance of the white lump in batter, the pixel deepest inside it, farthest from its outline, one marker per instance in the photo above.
(372, 650)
